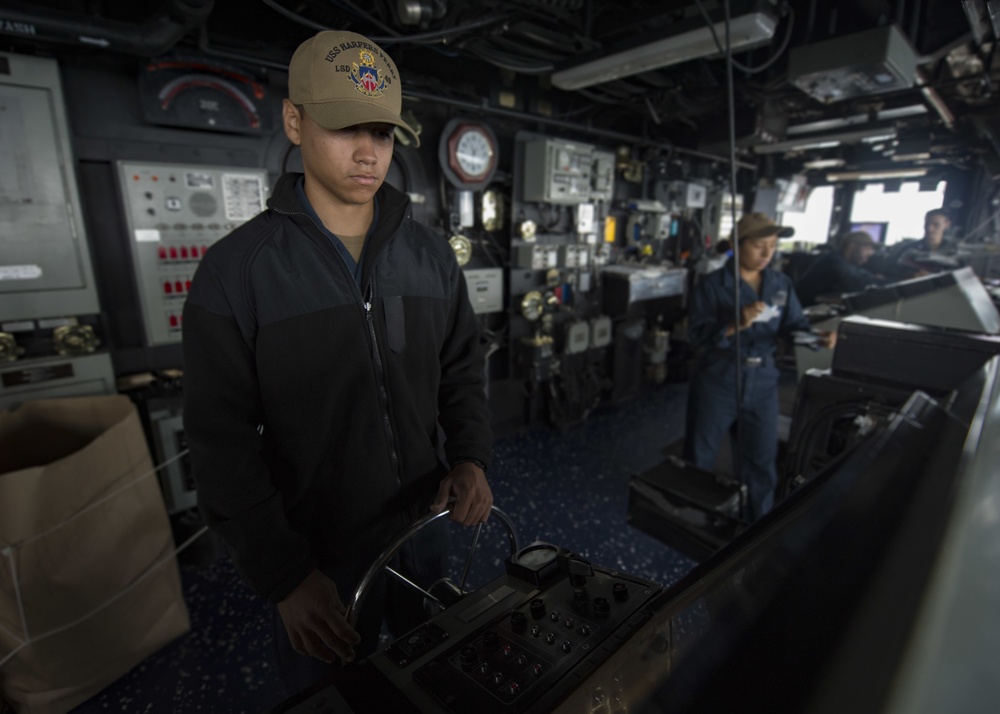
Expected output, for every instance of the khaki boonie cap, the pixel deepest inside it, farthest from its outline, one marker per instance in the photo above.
(760, 225)
(343, 79)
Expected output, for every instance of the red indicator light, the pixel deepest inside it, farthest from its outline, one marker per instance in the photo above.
(179, 287)
(168, 288)
(173, 321)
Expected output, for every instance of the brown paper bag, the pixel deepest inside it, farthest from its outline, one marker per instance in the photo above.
(62, 557)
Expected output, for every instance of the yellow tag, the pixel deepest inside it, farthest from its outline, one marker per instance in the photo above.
(609, 229)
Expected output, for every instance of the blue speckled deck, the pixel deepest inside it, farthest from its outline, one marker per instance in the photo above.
(567, 488)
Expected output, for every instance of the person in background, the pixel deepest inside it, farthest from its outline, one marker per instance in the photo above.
(840, 271)
(935, 252)
(334, 380)
(768, 309)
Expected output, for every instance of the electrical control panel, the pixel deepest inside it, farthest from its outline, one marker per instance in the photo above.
(174, 213)
(51, 337)
(45, 268)
(603, 177)
(559, 172)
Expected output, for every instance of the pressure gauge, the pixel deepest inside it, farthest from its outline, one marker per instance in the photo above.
(468, 153)
(532, 305)
(462, 247)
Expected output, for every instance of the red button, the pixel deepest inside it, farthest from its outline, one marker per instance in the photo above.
(184, 252)
(168, 288)
(179, 287)
(173, 320)
(187, 285)
(163, 253)
(173, 253)
(194, 251)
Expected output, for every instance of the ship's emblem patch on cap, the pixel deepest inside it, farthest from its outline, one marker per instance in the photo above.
(369, 80)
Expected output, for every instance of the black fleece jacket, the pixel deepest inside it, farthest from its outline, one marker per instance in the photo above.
(312, 407)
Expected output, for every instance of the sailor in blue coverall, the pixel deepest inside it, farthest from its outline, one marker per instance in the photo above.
(769, 309)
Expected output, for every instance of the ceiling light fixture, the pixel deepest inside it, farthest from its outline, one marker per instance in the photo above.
(876, 174)
(827, 141)
(745, 31)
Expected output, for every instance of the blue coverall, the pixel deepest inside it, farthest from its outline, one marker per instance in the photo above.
(711, 407)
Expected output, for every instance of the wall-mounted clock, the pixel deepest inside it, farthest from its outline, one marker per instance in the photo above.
(468, 153)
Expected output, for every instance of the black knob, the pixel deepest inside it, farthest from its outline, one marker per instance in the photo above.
(518, 621)
(567, 646)
(620, 591)
(498, 677)
(568, 623)
(550, 638)
(537, 608)
(536, 630)
(601, 606)
(554, 616)
(522, 660)
(584, 630)
(468, 657)
(484, 668)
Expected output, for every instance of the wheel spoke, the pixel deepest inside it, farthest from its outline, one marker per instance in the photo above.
(406, 581)
(468, 560)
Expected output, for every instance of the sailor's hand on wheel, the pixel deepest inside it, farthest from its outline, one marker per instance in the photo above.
(473, 497)
(316, 622)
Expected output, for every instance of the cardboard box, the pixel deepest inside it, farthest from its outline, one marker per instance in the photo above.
(89, 584)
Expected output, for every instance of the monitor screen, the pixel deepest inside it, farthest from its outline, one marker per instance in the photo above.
(875, 230)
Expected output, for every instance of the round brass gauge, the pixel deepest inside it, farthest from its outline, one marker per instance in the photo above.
(532, 305)
(462, 247)
(468, 153)
(528, 230)
(75, 339)
(9, 351)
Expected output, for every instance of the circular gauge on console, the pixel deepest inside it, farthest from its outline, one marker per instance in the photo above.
(535, 556)
(468, 153)
(535, 563)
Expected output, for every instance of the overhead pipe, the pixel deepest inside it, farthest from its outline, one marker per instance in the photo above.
(149, 39)
(483, 108)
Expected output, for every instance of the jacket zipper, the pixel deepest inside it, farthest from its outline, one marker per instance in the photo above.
(380, 378)
(379, 372)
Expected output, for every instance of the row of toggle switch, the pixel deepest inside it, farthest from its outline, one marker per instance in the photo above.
(176, 287)
(172, 253)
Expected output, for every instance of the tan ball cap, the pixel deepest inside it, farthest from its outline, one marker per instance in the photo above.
(760, 225)
(343, 79)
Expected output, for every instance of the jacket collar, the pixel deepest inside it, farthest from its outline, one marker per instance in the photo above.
(394, 207)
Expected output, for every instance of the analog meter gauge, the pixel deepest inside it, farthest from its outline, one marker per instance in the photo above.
(468, 154)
